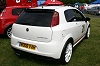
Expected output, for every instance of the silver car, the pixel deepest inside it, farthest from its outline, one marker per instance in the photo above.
(94, 10)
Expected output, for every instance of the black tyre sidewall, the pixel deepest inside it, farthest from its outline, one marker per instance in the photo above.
(86, 36)
(62, 59)
(6, 31)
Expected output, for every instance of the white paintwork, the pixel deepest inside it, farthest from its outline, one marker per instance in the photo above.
(34, 33)
(49, 40)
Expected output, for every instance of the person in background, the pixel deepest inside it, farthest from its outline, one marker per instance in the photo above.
(82, 8)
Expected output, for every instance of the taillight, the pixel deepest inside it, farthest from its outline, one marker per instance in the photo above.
(55, 19)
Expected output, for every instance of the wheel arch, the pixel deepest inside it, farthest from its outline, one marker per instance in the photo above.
(70, 39)
(10, 25)
(89, 25)
(62, 57)
(86, 36)
(5, 31)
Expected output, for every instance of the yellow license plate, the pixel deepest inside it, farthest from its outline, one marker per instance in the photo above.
(29, 46)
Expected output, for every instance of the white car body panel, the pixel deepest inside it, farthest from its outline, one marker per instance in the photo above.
(33, 33)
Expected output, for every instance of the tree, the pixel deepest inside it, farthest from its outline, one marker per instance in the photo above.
(74, 1)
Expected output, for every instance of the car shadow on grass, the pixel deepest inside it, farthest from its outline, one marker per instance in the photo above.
(2, 36)
(39, 60)
(75, 47)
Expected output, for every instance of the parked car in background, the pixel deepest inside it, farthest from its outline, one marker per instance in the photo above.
(8, 17)
(11, 13)
(2, 5)
(94, 10)
(50, 31)
(92, 5)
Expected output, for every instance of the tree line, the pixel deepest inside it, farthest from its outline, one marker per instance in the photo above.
(74, 1)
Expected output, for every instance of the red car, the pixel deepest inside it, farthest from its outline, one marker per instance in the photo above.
(8, 17)
(11, 13)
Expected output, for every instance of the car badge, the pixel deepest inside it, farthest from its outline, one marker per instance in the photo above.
(27, 29)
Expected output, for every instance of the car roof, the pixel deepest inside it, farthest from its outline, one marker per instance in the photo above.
(54, 7)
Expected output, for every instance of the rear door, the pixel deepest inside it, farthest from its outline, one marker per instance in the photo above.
(34, 25)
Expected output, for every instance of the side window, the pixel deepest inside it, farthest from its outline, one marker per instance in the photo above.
(98, 8)
(72, 15)
(17, 11)
(93, 8)
(69, 15)
(78, 16)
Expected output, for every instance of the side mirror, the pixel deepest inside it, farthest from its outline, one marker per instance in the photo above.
(87, 19)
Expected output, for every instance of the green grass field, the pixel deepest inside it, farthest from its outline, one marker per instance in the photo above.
(87, 53)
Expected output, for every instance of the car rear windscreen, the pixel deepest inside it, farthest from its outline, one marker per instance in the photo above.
(36, 17)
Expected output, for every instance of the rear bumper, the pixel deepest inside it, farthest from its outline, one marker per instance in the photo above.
(23, 53)
(51, 49)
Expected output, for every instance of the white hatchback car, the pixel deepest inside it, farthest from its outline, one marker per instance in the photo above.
(50, 31)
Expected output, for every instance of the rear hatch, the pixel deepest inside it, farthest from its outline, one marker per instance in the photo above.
(34, 24)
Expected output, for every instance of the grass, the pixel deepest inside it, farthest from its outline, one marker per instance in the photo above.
(87, 52)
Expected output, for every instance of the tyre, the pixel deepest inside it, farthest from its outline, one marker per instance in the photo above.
(95, 13)
(87, 12)
(66, 53)
(87, 33)
(8, 32)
